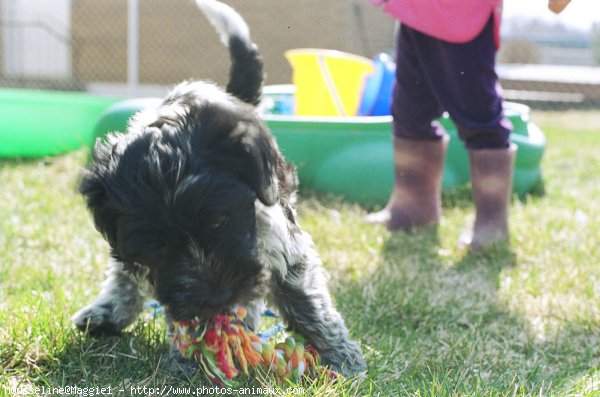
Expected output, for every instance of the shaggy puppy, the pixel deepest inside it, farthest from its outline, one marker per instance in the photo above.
(197, 204)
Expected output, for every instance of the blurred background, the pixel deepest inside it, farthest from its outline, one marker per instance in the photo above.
(143, 47)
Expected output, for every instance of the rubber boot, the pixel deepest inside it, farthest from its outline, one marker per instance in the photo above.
(491, 181)
(416, 197)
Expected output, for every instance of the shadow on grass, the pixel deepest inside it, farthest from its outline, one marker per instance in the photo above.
(137, 358)
(490, 261)
(433, 323)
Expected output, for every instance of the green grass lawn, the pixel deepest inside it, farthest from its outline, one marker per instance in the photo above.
(431, 318)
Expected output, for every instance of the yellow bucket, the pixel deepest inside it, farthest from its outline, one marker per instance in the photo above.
(328, 82)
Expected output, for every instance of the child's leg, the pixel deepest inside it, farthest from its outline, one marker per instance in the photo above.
(419, 146)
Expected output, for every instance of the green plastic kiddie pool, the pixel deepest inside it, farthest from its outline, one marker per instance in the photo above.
(352, 156)
(35, 123)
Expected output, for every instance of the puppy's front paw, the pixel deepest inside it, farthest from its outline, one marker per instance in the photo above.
(96, 320)
(346, 360)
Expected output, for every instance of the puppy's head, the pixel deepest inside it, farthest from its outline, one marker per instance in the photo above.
(176, 195)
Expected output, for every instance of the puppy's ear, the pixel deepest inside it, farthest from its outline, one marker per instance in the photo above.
(246, 147)
(259, 166)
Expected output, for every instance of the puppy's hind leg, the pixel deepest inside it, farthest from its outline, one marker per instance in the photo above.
(118, 305)
(304, 301)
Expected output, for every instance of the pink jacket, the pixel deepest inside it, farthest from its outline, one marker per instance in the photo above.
(456, 21)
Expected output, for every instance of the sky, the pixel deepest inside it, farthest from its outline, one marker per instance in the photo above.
(579, 13)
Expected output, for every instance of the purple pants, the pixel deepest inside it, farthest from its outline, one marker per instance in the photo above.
(433, 76)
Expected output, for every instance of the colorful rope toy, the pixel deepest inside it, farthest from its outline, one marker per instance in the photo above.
(223, 346)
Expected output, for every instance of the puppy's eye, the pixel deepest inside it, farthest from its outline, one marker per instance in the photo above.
(218, 223)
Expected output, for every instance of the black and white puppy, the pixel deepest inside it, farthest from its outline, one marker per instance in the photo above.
(197, 204)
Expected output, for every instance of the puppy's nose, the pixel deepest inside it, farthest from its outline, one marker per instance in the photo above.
(220, 296)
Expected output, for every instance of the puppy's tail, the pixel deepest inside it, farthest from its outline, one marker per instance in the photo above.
(246, 73)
